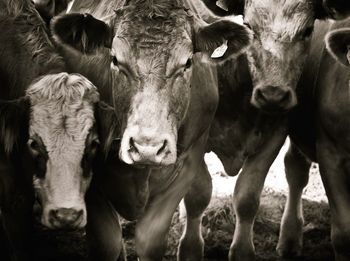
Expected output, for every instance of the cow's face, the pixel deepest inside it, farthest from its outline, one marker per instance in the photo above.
(282, 31)
(151, 59)
(62, 143)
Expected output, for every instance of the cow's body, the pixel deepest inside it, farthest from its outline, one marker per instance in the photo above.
(37, 100)
(320, 128)
(247, 138)
(17, 70)
(150, 193)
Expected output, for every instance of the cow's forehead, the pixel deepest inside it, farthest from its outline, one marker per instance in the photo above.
(62, 128)
(62, 110)
(280, 17)
(151, 44)
(151, 27)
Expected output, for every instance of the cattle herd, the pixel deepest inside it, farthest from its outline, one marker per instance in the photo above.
(108, 107)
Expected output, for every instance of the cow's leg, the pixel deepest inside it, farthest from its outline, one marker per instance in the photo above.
(297, 173)
(152, 229)
(17, 199)
(18, 222)
(335, 172)
(196, 201)
(103, 229)
(247, 196)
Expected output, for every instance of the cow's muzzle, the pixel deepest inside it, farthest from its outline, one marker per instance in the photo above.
(150, 151)
(274, 99)
(66, 218)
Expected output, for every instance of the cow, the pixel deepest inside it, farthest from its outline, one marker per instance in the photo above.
(151, 61)
(48, 135)
(319, 131)
(257, 91)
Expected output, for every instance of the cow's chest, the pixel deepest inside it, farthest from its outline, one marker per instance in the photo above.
(234, 139)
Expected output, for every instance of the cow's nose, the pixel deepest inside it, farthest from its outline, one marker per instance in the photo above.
(148, 151)
(65, 217)
(273, 98)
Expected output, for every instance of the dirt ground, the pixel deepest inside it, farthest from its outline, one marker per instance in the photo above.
(219, 222)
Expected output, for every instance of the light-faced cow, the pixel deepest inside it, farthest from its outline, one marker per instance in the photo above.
(256, 92)
(148, 62)
(48, 135)
(319, 130)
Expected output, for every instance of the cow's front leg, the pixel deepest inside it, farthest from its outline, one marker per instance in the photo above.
(297, 172)
(247, 196)
(17, 220)
(103, 229)
(152, 229)
(334, 162)
(196, 201)
(17, 200)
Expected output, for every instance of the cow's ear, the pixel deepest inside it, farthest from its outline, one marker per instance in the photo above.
(338, 45)
(225, 7)
(333, 9)
(81, 31)
(210, 37)
(14, 123)
(108, 125)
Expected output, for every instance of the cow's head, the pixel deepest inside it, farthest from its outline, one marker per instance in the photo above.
(61, 138)
(282, 31)
(50, 8)
(338, 45)
(152, 46)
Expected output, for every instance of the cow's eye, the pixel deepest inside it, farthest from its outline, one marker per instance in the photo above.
(247, 25)
(34, 147)
(188, 64)
(308, 31)
(114, 63)
(94, 146)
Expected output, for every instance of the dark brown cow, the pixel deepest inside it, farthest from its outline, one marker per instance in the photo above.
(247, 132)
(320, 129)
(47, 129)
(165, 97)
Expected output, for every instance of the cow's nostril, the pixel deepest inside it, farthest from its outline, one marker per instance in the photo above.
(259, 95)
(132, 146)
(286, 97)
(162, 148)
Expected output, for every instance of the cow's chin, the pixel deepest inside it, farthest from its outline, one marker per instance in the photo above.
(148, 153)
